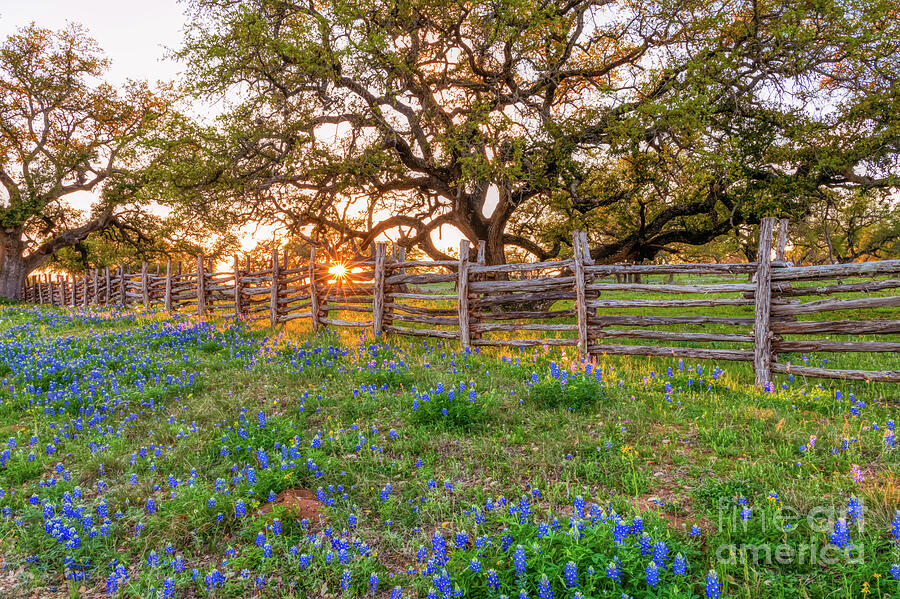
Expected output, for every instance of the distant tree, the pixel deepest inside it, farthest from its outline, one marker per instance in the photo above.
(657, 125)
(849, 227)
(63, 131)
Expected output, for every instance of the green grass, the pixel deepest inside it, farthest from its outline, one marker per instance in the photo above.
(681, 456)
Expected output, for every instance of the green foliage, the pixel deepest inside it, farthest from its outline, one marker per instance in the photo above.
(553, 109)
(578, 393)
(441, 412)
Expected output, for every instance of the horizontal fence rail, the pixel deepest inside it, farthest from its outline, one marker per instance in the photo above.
(749, 307)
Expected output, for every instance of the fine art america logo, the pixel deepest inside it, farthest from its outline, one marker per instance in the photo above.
(782, 535)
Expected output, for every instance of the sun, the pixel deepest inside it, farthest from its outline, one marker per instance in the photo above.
(338, 271)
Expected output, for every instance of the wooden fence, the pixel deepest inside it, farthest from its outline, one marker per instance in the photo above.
(482, 305)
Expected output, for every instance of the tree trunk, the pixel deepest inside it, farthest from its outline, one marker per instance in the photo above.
(12, 265)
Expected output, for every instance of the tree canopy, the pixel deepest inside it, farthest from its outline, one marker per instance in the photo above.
(655, 125)
(64, 131)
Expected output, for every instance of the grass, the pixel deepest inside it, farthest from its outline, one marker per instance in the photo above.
(422, 459)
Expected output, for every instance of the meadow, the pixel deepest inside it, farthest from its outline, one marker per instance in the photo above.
(143, 455)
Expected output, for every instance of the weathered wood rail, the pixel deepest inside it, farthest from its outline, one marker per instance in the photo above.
(481, 305)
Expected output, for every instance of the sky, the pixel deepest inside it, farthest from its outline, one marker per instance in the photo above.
(134, 34)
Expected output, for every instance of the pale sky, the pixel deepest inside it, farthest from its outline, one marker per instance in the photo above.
(134, 36)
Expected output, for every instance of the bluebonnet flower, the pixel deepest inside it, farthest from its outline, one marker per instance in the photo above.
(679, 566)
(854, 510)
(571, 574)
(652, 574)
(660, 554)
(493, 581)
(695, 531)
(169, 588)
(240, 510)
(373, 582)
(267, 550)
(621, 530)
(439, 547)
(544, 590)
(520, 561)
(895, 526)
(614, 572)
(345, 580)
(396, 593)
(644, 543)
(895, 571)
(637, 526)
(713, 586)
(579, 506)
(840, 537)
(475, 565)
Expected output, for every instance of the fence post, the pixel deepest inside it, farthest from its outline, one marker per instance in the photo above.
(399, 256)
(462, 289)
(237, 286)
(313, 291)
(123, 287)
(96, 277)
(145, 289)
(201, 287)
(782, 240)
(580, 305)
(167, 298)
(378, 290)
(762, 339)
(273, 305)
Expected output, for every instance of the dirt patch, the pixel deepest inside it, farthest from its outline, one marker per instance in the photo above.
(300, 502)
(679, 521)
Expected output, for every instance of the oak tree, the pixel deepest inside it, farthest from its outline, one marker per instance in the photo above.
(64, 132)
(655, 125)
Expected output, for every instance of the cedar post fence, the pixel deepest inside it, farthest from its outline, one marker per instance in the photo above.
(462, 292)
(580, 298)
(378, 291)
(493, 305)
(168, 293)
(313, 290)
(762, 333)
(145, 289)
(201, 287)
(273, 289)
(238, 289)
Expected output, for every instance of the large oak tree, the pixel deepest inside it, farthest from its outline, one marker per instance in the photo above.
(63, 130)
(656, 124)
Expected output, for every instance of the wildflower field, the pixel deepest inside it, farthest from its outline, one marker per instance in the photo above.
(148, 456)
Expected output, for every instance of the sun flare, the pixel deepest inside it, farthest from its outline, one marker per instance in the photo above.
(338, 271)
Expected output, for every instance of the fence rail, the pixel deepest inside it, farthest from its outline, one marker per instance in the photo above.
(472, 302)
